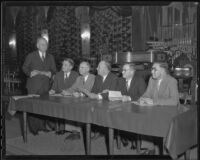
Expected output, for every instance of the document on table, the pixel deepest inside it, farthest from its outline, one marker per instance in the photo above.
(114, 95)
(25, 96)
(139, 104)
(60, 95)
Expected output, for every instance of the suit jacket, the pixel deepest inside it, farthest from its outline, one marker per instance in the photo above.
(61, 84)
(167, 93)
(38, 84)
(80, 84)
(136, 89)
(109, 83)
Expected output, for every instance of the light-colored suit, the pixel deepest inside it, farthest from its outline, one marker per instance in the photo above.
(167, 94)
(81, 84)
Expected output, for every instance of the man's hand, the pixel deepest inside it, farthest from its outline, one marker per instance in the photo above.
(126, 98)
(51, 92)
(34, 73)
(93, 96)
(65, 93)
(48, 73)
(147, 101)
(105, 91)
(76, 94)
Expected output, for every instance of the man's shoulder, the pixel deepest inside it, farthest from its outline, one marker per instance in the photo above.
(169, 78)
(91, 75)
(74, 73)
(112, 75)
(33, 53)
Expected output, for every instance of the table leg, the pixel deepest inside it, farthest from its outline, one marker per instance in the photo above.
(187, 155)
(138, 143)
(88, 138)
(25, 126)
(118, 140)
(111, 141)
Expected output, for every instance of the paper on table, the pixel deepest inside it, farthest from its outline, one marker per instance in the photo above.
(59, 95)
(143, 104)
(114, 95)
(25, 96)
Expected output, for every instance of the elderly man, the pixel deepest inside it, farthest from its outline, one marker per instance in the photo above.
(132, 88)
(104, 82)
(39, 66)
(64, 80)
(84, 82)
(162, 90)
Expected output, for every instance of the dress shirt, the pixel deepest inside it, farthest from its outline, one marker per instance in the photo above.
(159, 81)
(42, 55)
(128, 83)
(66, 75)
(85, 78)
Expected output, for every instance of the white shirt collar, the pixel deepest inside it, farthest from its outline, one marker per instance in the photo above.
(42, 54)
(104, 77)
(85, 78)
(129, 82)
(66, 74)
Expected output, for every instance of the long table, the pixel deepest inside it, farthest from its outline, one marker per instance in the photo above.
(146, 120)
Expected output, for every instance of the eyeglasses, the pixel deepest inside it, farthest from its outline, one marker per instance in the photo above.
(124, 70)
(154, 69)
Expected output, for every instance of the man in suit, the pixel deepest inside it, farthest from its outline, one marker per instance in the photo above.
(162, 90)
(104, 81)
(39, 66)
(132, 88)
(84, 82)
(64, 80)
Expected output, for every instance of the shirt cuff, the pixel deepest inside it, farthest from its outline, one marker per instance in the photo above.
(100, 96)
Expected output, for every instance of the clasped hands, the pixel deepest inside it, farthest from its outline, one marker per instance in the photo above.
(36, 72)
(146, 101)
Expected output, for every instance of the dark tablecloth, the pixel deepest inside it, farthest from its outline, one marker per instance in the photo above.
(182, 134)
(179, 130)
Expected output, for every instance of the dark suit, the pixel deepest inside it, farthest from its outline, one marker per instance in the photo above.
(109, 83)
(61, 84)
(136, 89)
(39, 84)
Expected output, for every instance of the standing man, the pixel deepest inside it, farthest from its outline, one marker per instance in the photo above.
(63, 80)
(39, 66)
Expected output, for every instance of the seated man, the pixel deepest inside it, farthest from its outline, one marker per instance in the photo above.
(132, 88)
(162, 90)
(104, 81)
(62, 81)
(84, 82)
